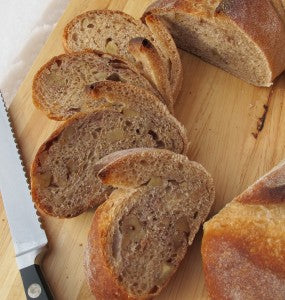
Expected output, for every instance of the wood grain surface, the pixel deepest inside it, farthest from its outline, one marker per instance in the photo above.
(231, 135)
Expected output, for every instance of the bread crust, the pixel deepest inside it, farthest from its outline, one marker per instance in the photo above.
(163, 36)
(104, 285)
(269, 189)
(143, 50)
(243, 247)
(257, 19)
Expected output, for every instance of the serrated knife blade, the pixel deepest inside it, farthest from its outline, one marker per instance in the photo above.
(28, 237)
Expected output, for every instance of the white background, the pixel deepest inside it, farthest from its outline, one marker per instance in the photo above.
(24, 27)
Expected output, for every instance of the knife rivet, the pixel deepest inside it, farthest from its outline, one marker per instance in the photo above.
(34, 290)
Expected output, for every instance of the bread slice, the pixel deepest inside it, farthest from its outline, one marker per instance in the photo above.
(245, 38)
(153, 69)
(63, 174)
(111, 31)
(243, 246)
(59, 86)
(168, 47)
(140, 234)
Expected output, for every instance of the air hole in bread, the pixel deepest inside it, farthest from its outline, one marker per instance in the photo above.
(116, 245)
(146, 43)
(153, 134)
(90, 25)
(195, 215)
(143, 162)
(74, 109)
(115, 77)
(50, 143)
(154, 290)
(58, 62)
(160, 144)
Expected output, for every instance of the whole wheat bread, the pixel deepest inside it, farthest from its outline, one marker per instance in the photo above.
(63, 174)
(245, 38)
(140, 234)
(59, 86)
(111, 31)
(243, 247)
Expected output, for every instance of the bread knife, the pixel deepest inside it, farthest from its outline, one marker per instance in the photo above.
(28, 237)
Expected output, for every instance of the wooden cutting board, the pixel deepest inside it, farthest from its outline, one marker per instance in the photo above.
(231, 135)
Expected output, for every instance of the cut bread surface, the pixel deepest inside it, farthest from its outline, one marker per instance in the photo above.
(243, 245)
(63, 175)
(59, 86)
(111, 31)
(146, 225)
(245, 38)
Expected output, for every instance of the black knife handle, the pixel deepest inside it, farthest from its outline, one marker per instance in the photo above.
(34, 283)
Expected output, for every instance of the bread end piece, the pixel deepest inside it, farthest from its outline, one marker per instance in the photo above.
(243, 247)
(146, 55)
(245, 38)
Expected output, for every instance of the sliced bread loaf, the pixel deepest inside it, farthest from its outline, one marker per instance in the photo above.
(243, 247)
(63, 174)
(140, 234)
(111, 31)
(245, 38)
(59, 86)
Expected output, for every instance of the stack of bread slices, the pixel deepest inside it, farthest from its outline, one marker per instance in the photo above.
(120, 150)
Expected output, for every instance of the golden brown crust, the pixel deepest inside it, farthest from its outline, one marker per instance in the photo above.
(257, 19)
(101, 279)
(163, 37)
(243, 247)
(270, 189)
(143, 50)
(232, 273)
